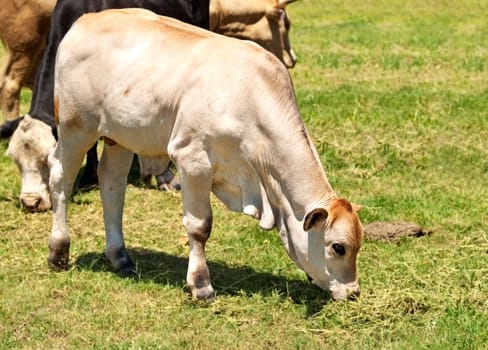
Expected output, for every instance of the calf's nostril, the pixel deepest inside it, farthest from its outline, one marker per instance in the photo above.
(354, 294)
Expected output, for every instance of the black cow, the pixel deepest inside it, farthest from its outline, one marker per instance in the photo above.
(65, 13)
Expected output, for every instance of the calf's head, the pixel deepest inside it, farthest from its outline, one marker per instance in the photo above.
(329, 249)
(29, 147)
(262, 21)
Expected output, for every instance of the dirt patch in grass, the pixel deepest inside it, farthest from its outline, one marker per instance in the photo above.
(392, 231)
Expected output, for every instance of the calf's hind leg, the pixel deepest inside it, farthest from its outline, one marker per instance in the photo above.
(112, 174)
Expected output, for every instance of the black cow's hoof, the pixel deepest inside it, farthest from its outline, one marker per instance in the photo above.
(87, 181)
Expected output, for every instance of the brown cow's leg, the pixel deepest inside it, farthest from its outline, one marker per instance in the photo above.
(112, 173)
(3, 81)
(17, 73)
(9, 89)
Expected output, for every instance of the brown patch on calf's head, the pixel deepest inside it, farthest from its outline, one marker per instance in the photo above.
(343, 208)
(341, 202)
(56, 110)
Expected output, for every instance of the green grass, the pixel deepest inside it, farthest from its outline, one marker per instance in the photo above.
(395, 96)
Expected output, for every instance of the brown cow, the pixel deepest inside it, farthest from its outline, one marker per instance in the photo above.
(23, 28)
(262, 21)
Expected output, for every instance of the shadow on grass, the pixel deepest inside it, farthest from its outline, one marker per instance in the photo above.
(159, 267)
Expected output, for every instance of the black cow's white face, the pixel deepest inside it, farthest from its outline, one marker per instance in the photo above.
(29, 147)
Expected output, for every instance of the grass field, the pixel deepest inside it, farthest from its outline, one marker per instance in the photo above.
(395, 96)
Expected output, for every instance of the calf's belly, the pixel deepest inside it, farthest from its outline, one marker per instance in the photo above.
(141, 141)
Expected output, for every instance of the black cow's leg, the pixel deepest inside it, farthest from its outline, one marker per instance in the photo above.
(89, 177)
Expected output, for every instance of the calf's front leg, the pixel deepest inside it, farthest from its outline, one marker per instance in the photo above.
(64, 163)
(112, 174)
(197, 220)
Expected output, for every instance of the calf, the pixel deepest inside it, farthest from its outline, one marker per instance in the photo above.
(262, 20)
(224, 111)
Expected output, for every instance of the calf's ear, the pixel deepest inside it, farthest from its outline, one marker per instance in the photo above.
(356, 207)
(316, 216)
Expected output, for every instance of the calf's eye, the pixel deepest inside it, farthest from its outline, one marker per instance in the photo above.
(339, 249)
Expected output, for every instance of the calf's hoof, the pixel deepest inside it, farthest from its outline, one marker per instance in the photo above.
(205, 293)
(58, 258)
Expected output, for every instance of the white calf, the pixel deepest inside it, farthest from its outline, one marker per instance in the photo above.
(224, 111)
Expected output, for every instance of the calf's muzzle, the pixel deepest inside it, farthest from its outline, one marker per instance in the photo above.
(34, 203)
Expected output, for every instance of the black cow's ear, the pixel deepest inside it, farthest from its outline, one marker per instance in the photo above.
(315, 217)
(7, 129)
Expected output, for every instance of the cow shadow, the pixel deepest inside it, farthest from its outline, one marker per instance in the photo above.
(159, 267)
